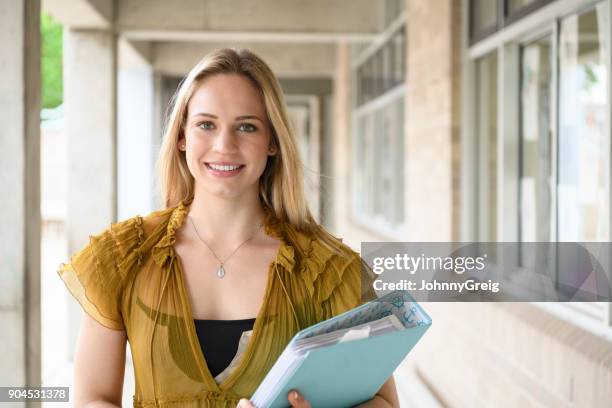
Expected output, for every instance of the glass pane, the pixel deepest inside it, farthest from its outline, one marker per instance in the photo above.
(359, 149)
(371, 68)
(382, 70)
(386, 61)
(487, 147)
(387, 137)
(379, 148)
(360, 85)
(369, 165)
(367, 83)
(392, 10)
(399, 54)
(398, 106)
(535, 187)
(378, 73)
(484, 14)
(517, 5)
(583, 151)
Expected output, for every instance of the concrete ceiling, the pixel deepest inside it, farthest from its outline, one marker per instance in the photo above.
(297, 37)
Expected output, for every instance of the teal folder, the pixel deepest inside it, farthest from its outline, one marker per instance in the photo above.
(343, 361)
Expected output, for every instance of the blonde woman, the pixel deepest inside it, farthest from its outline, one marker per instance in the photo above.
(209, 290)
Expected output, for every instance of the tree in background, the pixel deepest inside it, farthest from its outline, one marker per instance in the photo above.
(51, 62)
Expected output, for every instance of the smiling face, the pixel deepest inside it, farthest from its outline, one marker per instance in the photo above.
(227, 136)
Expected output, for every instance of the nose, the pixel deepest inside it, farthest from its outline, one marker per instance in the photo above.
(225, 140)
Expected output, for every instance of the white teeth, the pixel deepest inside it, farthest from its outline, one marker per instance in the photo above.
(222, 168)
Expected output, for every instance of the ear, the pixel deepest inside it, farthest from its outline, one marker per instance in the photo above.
(272, 150)
(181, 144)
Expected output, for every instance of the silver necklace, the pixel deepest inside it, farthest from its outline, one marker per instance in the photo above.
(221, 270)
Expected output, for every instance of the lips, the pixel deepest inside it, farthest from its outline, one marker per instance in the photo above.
(224, 169)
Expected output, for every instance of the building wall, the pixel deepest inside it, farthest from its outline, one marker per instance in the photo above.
(432, 143)
(344, 224)
(481, 354)
(510, 355)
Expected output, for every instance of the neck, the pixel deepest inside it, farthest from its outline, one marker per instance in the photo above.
(226, 221)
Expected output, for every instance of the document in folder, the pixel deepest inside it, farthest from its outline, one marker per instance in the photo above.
(343, 361)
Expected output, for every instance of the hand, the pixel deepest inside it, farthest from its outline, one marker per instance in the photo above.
(245, 403)
(295, 399)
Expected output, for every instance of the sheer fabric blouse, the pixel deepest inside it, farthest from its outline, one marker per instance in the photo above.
(129, 277)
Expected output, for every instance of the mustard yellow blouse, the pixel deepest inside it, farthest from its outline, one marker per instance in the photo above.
(129, 277)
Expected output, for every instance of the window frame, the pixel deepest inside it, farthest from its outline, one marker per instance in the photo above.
(360, 109)
(371, 58)
(482, 227)
(370, 108)
(504, 17)
(506, 41)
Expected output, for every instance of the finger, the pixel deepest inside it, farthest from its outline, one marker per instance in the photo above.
(245, 403)
(297, 400)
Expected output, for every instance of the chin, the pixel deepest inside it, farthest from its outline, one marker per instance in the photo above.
(228, 191)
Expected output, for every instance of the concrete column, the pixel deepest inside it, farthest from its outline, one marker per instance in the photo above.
(20, 186)
(433, 113)
(341, 142)
(90, 100)
(137, 141)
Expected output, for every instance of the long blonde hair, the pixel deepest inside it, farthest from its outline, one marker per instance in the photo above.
(281, 186)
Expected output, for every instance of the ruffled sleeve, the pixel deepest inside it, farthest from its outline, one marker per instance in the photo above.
(95, 275)
(337, 282)
(367, 282)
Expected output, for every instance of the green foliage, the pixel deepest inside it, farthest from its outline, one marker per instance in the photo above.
(51, 61)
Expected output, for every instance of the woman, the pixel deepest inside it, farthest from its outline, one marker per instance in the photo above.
(211, 289)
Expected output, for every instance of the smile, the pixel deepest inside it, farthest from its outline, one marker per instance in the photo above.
(224, 170)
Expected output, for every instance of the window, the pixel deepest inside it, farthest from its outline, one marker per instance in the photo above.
(535, 146)
(388, 198)
(517, 5)
(584, 154)
(378, 171)
(391, 10)
(486, 72)
(383, 70)
(551, 111)
(516, 9)
(377, 178)
(483, 18)
(489, 16)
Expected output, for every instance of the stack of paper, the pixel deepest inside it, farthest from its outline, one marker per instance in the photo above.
(343, 361)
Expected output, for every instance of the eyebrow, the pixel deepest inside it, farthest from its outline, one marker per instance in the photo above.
(243, 117)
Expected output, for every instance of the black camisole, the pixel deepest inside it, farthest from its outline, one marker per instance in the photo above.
(219, 341)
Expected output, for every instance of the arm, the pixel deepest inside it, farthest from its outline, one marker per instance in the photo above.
(99, 366)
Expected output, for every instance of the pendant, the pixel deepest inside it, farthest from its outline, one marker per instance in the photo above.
(221, 272)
